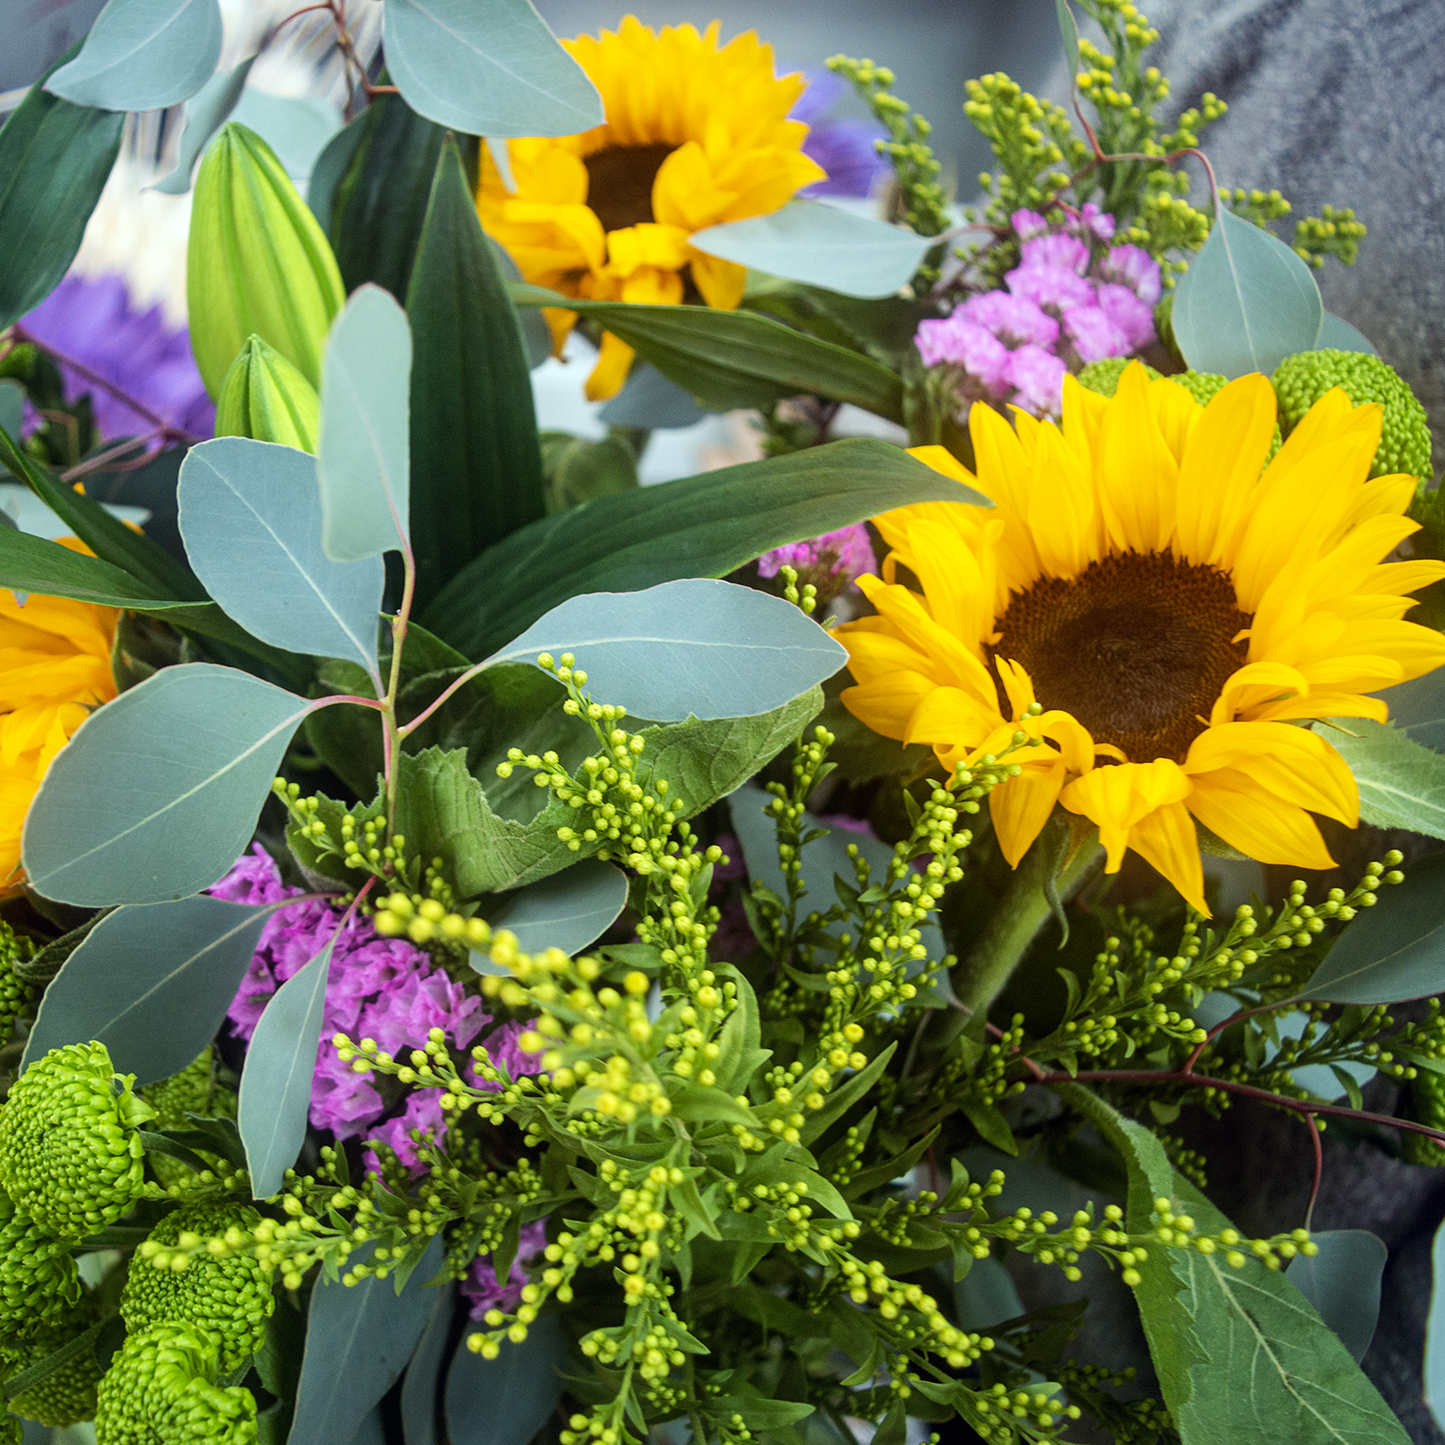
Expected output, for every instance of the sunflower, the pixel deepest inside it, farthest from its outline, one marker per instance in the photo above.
(696, 134)
(54, 669)
(1157, 612)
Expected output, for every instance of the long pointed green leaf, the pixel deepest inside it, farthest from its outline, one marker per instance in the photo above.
(475, 461)
(730, 359)
(705, 526)
(55, 158)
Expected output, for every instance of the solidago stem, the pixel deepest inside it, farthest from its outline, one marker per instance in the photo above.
(1022, 911)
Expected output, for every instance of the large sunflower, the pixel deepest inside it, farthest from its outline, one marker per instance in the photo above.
(54, 669)
(1160, 610)
(696, 134)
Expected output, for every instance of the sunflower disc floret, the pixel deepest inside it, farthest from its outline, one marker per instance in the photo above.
(227, 1295)
(1300, 381)
(161, 1390)
(67, 1395)
(38, 1277)
(71, 1156)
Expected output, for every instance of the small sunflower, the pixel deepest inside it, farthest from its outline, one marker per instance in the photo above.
(54, 669)
(697, 133)
(1159, 610)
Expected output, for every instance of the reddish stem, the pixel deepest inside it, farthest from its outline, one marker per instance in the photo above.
(1319, 1167)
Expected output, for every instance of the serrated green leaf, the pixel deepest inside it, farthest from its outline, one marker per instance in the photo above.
(1401, 783)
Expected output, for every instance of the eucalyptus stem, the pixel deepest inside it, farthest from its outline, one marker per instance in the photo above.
(1021, 913)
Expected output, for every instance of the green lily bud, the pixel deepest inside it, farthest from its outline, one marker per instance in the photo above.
(267, 399)
(257, 263)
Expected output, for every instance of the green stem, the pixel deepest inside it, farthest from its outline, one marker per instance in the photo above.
(1021, 913)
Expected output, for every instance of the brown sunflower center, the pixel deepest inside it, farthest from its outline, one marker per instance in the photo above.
(1137, 647)
(619, 183)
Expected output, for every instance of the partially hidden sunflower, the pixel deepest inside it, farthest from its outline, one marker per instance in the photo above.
(696, 134)
(1159, 610)
(54, 671)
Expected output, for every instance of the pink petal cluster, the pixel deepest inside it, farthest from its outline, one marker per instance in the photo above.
(1066, 304)
(840, 555)
(381, 988)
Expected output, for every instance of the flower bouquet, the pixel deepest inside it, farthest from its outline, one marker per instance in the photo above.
(492, 952)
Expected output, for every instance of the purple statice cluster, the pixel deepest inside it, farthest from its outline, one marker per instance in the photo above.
(92, 321)
(480, 1287)
(830, 562)
(381, 988)
(1072, 299)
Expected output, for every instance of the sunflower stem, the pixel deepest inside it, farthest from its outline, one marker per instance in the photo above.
(1048, 874)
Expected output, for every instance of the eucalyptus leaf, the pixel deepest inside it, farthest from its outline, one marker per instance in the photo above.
(1342, 1282)
(1393, 951)
(821, 245)
(1246, 302)
(696, 647)
(1337, 334)
(1240, 1353)
(276, 1081)
(487, 67)
(55, 158)
(569, 910)
(157, 793)
(251, 518)
(704, 526)
(650, 401)
(143, 55)
(729, 359)
(358, 1341)
(1401, 783)
(151, 982)
(421, 1402)
(297, 127)
(363, 461)
(206, 112)
(474, 450)
(1069, 35)
(523, 1375)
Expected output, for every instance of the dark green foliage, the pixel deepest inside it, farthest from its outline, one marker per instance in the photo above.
(476, 465)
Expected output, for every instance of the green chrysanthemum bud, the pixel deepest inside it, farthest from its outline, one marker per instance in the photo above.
(1302, 380)
(257, 263)
(70, 1154)
(17, 997)
(1103, 376)
(161, 1390)
(229, 1297)
(39, 1280)
(1426, 1105)
(266, 398)
(193, 1091)
(67, 1396)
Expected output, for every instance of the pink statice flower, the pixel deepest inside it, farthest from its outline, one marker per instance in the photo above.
(1095, 221)
(1134, 267)
(1055, 288)
(384, 988)
(1028, 224)
(1037, 377)
(1130, 314)
(1057, 250)
(480, 1287)
(1010, 319)
(1094, 335)
(959, 341)
(847, 550)
(423, 1115)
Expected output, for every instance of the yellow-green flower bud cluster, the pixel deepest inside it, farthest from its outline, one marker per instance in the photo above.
(1332, 233)
(70, 1151)
(161, 1389)
(1177, 1230)
(65, 1396)
(997, 1413)
(428, 920)
(227, 1294)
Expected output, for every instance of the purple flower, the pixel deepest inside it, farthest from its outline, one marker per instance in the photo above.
(1054, 287)
(1011, 318)
(423, 1113)
(843, 554)
(1091, 218)
(481, 1287)
(1038, 378)
(1066, 251)
(846, 149)
(1133, 316)
(1028, 224)
(1134, 267)
(957, 340)
(1094, 335)
(402, 1017)
(91, 321)
(503, 1050)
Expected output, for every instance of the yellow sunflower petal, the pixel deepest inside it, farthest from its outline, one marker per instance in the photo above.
(1250, 818)
(1020, 807)
(1139, 478)
(1296, 765)
(1166, 839)
(614, 359)
(887, 705)
(1118, 798)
